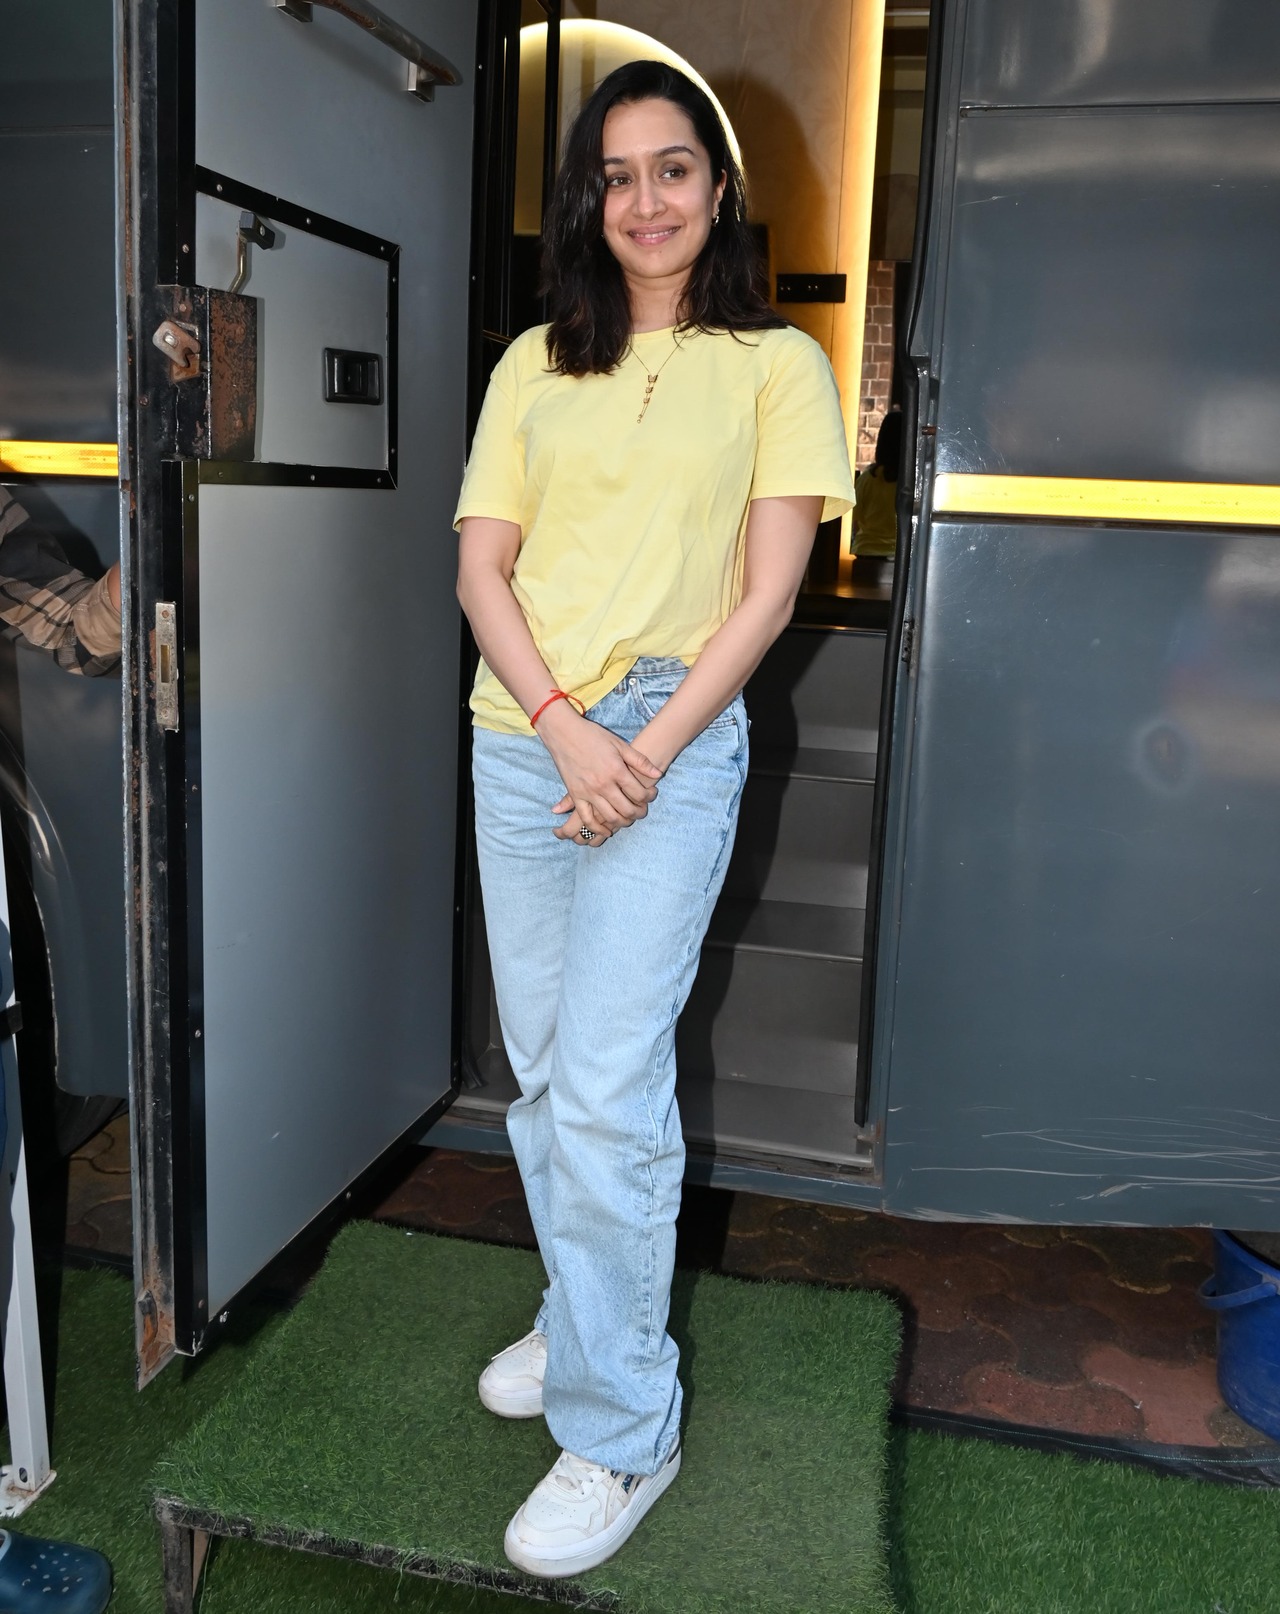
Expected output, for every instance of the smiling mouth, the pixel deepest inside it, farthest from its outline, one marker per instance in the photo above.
(653, 238)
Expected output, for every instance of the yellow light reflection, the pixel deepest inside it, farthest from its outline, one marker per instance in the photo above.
(58, 459)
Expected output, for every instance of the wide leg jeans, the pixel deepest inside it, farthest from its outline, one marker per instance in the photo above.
(594, 951)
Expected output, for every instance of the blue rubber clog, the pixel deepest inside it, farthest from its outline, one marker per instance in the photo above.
(38, 1575)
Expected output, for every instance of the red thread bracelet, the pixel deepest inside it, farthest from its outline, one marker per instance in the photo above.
(556, 695)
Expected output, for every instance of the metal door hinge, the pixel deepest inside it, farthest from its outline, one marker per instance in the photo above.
(908, 642)
(166, 665)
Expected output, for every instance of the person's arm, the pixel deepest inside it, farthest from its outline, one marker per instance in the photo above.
(779, 536)
(608, 784)
(49, 603)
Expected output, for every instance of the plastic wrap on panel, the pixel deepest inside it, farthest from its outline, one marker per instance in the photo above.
(1111, 52)
(1098, 324)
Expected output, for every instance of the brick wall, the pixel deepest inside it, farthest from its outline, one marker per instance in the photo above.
(877, 358)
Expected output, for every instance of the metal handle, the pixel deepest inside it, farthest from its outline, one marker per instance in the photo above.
(426, 70)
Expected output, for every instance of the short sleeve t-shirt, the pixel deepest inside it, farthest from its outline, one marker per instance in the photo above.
(631, 531)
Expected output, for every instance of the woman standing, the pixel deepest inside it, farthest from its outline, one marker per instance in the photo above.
(641, 498)
(875, 511)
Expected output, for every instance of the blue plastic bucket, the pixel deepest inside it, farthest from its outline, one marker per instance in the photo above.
(1245, 1293)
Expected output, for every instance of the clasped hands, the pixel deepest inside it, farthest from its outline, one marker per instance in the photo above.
(608, 783)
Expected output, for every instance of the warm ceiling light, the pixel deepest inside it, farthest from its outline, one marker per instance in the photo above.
(613, 44)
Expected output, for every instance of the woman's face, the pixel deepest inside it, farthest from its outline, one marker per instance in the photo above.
(660, 195)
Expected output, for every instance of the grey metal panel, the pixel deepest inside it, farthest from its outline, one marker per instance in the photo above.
(56, 65)
(57, 311)
(63, 732)
(327, 800)
(1102, 318)
(1086, 1019)
(58, 381)
(313, 294)
(341, 126)
(328, 629)
(1076, 52)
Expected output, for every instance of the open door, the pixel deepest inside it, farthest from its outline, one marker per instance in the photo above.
(298, 194)
(1077, 1016)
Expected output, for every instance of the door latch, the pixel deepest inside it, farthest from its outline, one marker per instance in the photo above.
(166, 665)
(181, 347)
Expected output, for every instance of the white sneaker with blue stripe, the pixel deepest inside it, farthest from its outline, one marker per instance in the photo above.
(580, 1514)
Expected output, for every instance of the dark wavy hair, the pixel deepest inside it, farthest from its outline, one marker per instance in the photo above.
(590, 310)
(889, 445)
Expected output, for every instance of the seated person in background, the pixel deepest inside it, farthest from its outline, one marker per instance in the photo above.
(875, 519)
(47, 602)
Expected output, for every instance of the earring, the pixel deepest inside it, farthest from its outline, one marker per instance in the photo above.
(715, 217)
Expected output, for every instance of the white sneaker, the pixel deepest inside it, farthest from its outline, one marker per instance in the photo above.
(511, 1385)
(580, 1514)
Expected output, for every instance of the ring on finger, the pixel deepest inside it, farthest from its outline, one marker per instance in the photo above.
(588, 834)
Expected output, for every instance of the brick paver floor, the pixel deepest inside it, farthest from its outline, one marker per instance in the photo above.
(1096, 1332)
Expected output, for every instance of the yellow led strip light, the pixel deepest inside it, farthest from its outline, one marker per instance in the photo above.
(1215, 504)
(59, 459)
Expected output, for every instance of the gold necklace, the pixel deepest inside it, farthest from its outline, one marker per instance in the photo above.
(652, 379)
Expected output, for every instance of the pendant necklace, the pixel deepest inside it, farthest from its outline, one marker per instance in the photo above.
(651, 378)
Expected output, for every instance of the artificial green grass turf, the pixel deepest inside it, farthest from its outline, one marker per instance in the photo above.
(973, 1528)
(977, 1528)
(107, 1439)
(359, 1421)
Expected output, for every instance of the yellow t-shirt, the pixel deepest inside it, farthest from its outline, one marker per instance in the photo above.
(876, 513)
(631, 531)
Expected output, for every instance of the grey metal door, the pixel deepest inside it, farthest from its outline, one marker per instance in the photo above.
(1077, 1008)
(293, 715)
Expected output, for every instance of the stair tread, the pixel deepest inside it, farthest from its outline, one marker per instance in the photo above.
(834, 612)
(805, 929)
(814, 762)
(745, 1119)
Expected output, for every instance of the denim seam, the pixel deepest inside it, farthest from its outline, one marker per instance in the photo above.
(668, 1028)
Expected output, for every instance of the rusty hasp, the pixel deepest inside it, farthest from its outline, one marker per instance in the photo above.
(181, 347)
(216, 410)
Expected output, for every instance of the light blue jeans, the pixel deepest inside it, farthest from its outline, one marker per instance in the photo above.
(594, 951)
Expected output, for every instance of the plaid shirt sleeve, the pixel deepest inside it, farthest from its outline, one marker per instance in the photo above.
(47, 602)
